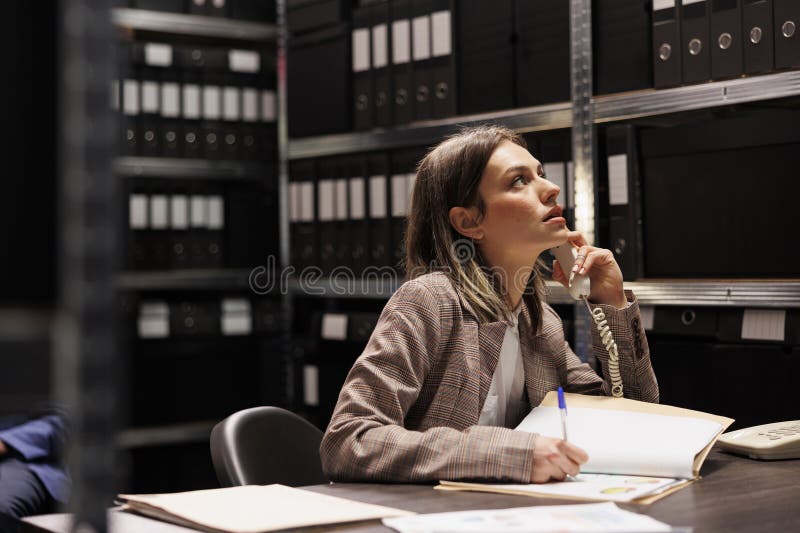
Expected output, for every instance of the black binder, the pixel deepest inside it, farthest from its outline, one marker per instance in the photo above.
(359, 223)
(305, 15)
(129, 102)
(380, 238)
(485, 55)
(217, 8)
(787, 40)
(158, 244)
(543, 44)
(326, 214)
(179, 248)
(443, 62)
(191, 61)
(253, 10)
(726, 39)
(757, 36)
(403, 174)
(342, 235)
(302, 224)
(622, 36)
(402, 99)
(319, 64)
(216, 63)
(381, 66)
(422, 72)
(170, 123)
(624, 202)
(198, 7)
(666, 44)
(363, 91)
(695, 43)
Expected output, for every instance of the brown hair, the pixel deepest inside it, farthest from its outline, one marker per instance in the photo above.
(448, 176)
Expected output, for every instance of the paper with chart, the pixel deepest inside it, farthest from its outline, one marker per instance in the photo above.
(627, 442)
(561, 518)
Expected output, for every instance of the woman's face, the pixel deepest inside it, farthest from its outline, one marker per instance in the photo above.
(521, 217)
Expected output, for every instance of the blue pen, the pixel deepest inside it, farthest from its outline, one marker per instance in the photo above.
(562, 406)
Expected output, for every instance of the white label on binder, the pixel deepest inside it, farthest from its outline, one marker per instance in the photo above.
(441, 34)
(377, 196)
(334, 326)
(306, 201)
(170, 100)
(422, 38)
(149, 97)
(570, 178)
(211, 102)
(159, 212)
(764, 324)
(198, 211)
(191, 101)
(311, 385)
(687, 2)
(648, 314)
(341, 199)
(250, 104)
(236, 317)
(411, 178)
(153, 326)
(153, 322)
(357, 208)
(401, 41)
(268, 107)
(247, 61)
(663, 4)
(114, 94)
(230, 103)
(215, 212)
(554, 171)
(294, 202)
(130, 97)
(618, 179)
(137, 211)
(179, 212)
(380, 46)
(236, 324)
(361, 50)
(399, 195)
(326, 200)
(158, 54)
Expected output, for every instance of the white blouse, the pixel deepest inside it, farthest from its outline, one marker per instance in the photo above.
(506, 402)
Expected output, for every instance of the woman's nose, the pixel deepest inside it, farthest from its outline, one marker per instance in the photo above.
(550, 193)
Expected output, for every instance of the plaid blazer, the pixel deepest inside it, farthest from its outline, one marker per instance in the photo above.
(409, 407)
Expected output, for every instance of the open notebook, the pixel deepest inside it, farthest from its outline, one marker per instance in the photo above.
(650, 449)
(253, 509)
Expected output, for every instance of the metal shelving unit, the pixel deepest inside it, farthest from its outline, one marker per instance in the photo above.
(195, 279)
(178, 24)
(164, 167)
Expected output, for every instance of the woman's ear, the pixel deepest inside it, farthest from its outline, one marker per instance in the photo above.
(465, 221)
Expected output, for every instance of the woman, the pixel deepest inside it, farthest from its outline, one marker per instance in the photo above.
(466, 347)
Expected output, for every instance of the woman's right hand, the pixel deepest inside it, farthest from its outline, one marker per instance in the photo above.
(555, 459)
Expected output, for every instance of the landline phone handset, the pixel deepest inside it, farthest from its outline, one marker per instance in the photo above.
(579, 289)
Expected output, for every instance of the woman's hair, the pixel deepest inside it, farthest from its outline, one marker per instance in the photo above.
(448, 176)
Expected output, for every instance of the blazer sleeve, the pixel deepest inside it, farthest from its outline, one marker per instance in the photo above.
(37, 440)
(638, 379)
(366, 439)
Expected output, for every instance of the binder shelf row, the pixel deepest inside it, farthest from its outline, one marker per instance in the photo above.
(184, 25)
(557, 116)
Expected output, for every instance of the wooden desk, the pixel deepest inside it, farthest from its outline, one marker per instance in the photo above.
(735, 494)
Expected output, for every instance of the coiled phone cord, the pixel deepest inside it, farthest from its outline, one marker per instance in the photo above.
(607, 339)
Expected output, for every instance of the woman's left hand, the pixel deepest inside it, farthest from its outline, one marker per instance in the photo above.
(601, 267)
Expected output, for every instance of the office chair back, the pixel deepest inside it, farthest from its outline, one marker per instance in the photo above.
(266, 445)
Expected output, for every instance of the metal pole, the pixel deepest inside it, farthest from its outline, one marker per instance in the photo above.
(583, 148)
(85, 350)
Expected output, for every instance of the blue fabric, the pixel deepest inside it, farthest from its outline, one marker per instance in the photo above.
(40, 443)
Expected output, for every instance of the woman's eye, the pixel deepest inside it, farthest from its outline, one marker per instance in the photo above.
(519, 180)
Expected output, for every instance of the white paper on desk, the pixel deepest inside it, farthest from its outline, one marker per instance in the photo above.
(560, 518)
(254, 509)
(627, 442)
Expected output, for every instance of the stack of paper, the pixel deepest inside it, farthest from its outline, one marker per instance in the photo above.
(253, 509)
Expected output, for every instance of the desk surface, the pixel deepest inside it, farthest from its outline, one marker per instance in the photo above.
(735, 494)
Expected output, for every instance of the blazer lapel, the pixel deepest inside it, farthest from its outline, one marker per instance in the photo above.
(490, 342)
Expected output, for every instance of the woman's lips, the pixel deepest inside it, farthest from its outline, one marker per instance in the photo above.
(556, 220)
